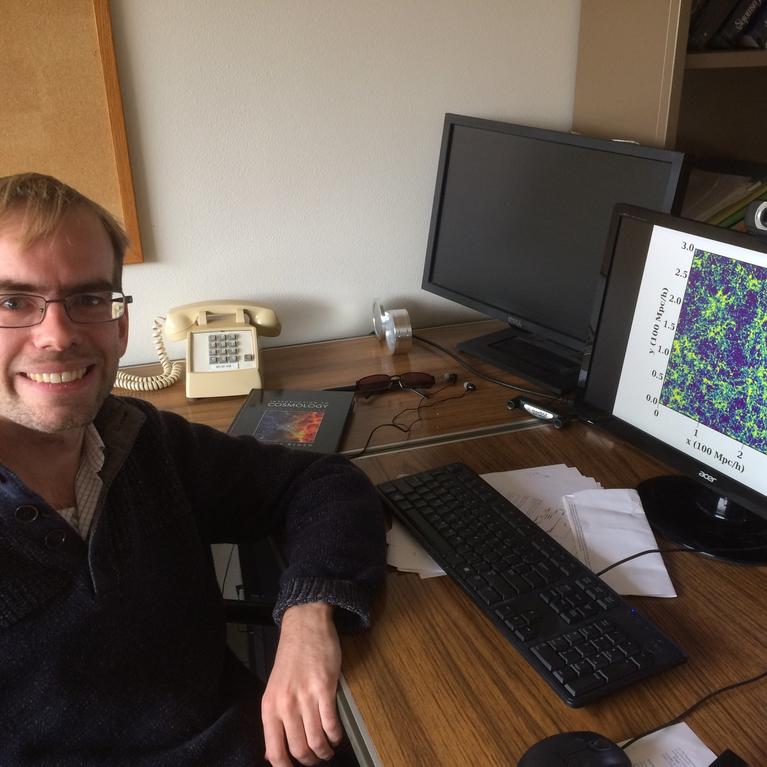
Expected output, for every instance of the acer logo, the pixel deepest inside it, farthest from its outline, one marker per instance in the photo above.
(707, 477)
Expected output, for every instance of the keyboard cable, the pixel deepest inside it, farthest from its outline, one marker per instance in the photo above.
(680, 717)
(710, 695)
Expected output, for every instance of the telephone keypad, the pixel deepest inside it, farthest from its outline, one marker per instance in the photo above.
(225, 351)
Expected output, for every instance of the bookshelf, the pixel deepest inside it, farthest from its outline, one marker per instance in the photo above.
(635, 80)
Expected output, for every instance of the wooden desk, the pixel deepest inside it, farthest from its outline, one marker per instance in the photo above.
(433, 682)
(341, 363)
(437, 685)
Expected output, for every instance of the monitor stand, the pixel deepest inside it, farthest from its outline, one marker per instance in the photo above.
(684, 511)
(552, 366)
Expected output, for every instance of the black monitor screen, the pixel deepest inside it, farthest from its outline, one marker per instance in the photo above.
(679, 367)
(520, 222)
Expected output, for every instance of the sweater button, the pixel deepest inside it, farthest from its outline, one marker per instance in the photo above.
(55, 539)
(26, 513)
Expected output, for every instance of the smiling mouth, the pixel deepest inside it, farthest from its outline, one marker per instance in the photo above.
(64, 376)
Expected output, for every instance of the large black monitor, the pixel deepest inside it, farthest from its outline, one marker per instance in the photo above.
(679, 368)
(518, 231)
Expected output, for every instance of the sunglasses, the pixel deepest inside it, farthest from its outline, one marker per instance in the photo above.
(381, 382)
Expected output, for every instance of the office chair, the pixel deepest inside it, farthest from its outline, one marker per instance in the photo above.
(251, 612)
(260, 576)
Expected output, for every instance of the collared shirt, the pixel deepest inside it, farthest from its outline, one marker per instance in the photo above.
(88, 483)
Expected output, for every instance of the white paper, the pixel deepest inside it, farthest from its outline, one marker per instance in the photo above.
(675, 746)
(609, 525)
(407, 555)
(597, 526)
(538, 493)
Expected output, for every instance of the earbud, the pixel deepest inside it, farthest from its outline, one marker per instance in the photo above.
(469, 386)
(450, 378)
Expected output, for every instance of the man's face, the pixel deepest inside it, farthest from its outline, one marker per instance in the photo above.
(54, 376)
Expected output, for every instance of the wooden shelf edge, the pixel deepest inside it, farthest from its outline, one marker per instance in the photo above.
(726, 59)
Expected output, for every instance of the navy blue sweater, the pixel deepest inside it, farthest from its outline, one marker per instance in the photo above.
(113, 650)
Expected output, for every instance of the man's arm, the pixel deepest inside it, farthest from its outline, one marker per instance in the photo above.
(299, 706)
(333, 540)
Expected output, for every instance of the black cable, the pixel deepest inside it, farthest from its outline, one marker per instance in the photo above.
(680, 549)
(485, 377)
(710, 695)
(694, 706)
(641, 554)
(406, 428)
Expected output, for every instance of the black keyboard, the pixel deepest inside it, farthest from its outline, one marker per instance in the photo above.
(582, 637)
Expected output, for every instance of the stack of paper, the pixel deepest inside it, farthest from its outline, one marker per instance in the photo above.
(716, 197)
(538, 492)
(609, 525)
(407, 555)
(675, 746)
(597, 526)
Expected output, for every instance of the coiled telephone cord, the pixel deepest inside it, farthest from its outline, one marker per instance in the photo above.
(171, 371)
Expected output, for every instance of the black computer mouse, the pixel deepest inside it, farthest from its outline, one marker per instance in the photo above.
(575, 749)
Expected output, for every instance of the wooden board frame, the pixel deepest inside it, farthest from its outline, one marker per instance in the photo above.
(119, 134)
(61, 111)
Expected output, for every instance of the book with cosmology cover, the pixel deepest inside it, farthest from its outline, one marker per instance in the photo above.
(308, 420)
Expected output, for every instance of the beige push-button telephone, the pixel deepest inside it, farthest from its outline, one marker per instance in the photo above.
(222, 356)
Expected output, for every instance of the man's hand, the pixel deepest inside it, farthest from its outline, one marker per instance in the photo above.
(299, 706)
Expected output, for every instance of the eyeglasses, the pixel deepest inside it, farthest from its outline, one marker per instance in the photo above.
(381, 382)
(22, 310)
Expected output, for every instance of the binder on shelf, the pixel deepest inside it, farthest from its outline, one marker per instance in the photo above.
(755, 35)
(709, 192)
(739, 215)
(727, 212)
(736, 24)
(708, 23)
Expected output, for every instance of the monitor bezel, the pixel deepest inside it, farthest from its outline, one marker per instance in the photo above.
(672, 201)
(598, 415)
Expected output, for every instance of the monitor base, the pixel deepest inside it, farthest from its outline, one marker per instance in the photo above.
(685, 512)
(550, 365)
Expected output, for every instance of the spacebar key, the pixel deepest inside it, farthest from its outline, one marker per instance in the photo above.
(583, 684)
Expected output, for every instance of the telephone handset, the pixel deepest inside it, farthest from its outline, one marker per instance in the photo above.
(222, 356)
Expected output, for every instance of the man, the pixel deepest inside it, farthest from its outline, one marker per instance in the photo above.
(112, 637)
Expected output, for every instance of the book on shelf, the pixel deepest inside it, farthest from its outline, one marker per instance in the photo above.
(696, 7)
(755, 35)
(709, 192)
(708, 21)
(722, 215)
(736, 24)
(304, 419)
(736, 216)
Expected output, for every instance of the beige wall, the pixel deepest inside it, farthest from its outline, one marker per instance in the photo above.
(285, 151)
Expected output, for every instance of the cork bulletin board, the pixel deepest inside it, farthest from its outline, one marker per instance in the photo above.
(60, 104)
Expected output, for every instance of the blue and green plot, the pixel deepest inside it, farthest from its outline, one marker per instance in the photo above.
(717, 369)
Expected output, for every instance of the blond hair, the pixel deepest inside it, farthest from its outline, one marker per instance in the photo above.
(45, 201)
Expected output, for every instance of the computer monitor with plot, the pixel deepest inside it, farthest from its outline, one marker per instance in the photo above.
(518, 230)
(679, 368)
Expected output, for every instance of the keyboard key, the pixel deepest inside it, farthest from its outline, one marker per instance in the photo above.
(583, 684)
(550, 658)
(618, 670)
